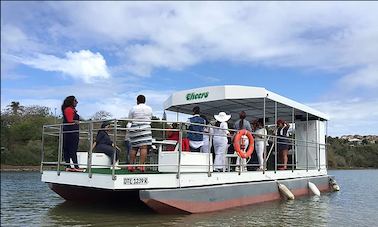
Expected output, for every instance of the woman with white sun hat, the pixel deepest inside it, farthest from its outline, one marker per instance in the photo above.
(220, 140)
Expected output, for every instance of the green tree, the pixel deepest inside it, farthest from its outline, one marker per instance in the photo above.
(21, 134)
(101, 115)
(15, 108)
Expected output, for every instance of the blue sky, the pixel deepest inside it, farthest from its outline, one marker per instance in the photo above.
(322, 54)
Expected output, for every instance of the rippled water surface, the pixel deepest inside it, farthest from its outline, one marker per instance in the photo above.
(26, 201)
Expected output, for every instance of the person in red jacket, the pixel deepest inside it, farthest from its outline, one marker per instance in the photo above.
(70, 132)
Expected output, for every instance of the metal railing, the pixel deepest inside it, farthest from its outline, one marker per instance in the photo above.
(88, 130)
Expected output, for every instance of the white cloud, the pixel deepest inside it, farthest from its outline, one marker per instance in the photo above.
(14, 40)
(120, 104)
(334, 36)
(175, 35)
(179, 34)
(350, 117)
(354, 116)
(366, 77)
(111, 96)
(83, 65)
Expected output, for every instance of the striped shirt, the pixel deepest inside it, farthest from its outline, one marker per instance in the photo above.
(140, 131)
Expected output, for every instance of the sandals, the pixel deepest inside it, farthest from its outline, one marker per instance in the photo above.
(75, 170)
(131, 168)
(141, 169)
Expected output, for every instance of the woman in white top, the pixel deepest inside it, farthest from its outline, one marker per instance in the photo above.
(220, 141)
(205, 148)
(140, 131)
(260, 136)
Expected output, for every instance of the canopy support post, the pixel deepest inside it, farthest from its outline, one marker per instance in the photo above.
(275, 138)
(307, 142)
(265, 137)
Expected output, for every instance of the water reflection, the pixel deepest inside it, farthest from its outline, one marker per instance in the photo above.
(301, 212)
(25, 201)
(106, 214)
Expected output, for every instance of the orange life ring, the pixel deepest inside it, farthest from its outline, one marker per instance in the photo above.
(238, 138)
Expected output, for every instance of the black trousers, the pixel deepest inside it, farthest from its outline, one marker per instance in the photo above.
(70, 145)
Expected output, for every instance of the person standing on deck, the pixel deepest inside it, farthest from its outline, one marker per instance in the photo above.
(140, 131)
(240, 125)
(70, 132)
(220, 141)
(206, 136)
(283, 142)
(260, 136)
(195, 135)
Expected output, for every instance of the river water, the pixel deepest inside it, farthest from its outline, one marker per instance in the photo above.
(26, 201)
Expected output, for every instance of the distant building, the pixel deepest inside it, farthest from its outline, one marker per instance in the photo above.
(358, 139)
(355, 141)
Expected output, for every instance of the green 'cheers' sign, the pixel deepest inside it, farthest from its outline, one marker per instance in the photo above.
(191, 96)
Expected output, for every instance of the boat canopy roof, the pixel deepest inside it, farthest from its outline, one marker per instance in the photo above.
(233, 99)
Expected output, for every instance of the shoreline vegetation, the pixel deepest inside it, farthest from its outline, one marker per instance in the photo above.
(21, 130)
(11, 168)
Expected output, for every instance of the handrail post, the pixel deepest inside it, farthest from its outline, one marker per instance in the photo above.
(240, 165)
(179, 154)
(316, 145)
(210, 145)
(292, 139)
(114, 149)
(325, 146)
(319, 147)
(42, 148)
(60, 148)
(89, 163)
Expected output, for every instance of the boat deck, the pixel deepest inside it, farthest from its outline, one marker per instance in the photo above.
(123, 180)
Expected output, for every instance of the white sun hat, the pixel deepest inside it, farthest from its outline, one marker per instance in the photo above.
(222, 117)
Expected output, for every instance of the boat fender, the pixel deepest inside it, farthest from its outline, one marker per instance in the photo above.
(238, 139)
(285, 191)
(314, 189)
(334, 185)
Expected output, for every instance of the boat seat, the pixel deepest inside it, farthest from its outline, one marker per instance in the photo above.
(190, 161)
(99, 160)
